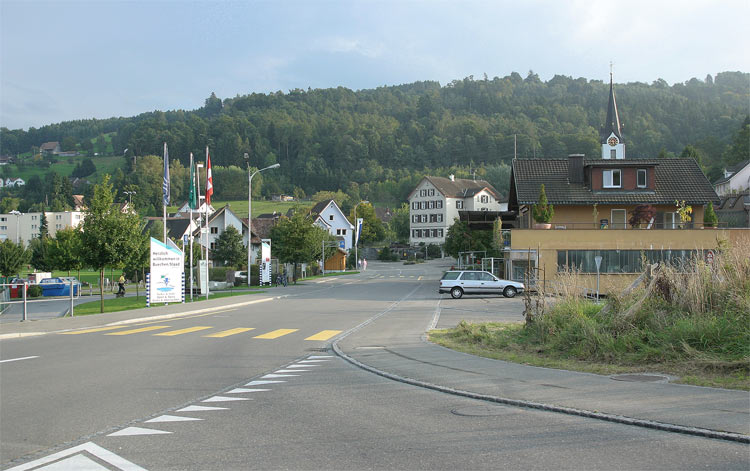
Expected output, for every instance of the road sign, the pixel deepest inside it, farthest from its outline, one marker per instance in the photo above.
(709, 257)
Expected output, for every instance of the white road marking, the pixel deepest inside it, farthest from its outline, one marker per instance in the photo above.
(245, 390)
(130, 431)
(171, 418)
(258, 383)
(297, 365)
(225, 399)
(60, 459)
(290, 371)
(200, 408)
(75, 463)
(277, 376)
(312, 361)
(18, 359)
(319, 356)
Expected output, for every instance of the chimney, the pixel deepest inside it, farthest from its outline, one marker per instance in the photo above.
(575, 168)
(452, 177)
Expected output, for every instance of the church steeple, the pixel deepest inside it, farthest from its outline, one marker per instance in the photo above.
(612, 145)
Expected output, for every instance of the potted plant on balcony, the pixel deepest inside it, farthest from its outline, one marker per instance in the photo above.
(543, 212)
(709, 216)
(642, 213)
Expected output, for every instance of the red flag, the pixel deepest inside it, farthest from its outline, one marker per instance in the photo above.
(210, 184)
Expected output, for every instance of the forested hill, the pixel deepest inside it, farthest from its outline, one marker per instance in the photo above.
(327, 138)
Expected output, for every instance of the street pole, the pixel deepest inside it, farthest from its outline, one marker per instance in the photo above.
(598, 261)
(356, 233)
(250, 210)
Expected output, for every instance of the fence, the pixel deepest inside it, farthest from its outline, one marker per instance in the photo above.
(20, 292)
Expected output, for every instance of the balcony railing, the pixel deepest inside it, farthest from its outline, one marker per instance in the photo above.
(620, 226)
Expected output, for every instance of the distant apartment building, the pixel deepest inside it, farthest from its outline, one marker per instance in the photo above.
(23, 227)
(437, 201)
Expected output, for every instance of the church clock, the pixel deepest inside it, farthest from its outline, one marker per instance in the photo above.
(612, 141)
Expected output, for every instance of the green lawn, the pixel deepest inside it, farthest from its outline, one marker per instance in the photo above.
(64, 167)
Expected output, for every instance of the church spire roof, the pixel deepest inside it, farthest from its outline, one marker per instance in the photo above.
(612, 124)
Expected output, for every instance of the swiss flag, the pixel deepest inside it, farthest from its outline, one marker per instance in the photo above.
(210, 184)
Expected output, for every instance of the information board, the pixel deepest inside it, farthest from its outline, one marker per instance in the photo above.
(167, 266)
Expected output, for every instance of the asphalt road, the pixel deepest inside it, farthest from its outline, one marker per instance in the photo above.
(108, 399)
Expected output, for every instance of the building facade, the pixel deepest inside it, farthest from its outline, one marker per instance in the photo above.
(436, 202)
(328, 216)
(23, 227)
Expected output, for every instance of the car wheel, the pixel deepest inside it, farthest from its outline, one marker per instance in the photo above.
(457, 292)
(509, 292)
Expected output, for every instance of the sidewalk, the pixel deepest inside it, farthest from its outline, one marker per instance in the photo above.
(395, 344)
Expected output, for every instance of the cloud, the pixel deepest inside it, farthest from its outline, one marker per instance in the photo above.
(340, 44)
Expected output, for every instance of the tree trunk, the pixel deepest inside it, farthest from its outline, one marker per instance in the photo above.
(101, 290)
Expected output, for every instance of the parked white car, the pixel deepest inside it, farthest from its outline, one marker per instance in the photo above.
(460, 282)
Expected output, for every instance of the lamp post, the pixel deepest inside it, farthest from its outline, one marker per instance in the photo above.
(598, 262)
(130, 196)
(17, 214)
(356, 230)
(250, 210)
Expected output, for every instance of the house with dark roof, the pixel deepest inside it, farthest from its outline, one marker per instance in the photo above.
(52, 147)
(218, 222)
(437, 201)
(619, 209)
(736, 179)
(734, 210)
(328, 216)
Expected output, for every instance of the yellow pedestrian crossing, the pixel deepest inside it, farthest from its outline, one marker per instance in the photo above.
(274, 334)
(138, 331)
(172, 333)
(227, 333)
(324, 335)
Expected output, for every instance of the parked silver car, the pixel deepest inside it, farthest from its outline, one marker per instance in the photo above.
(460, 282)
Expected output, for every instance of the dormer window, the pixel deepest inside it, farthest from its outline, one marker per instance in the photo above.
(612, 178)
(642, 178)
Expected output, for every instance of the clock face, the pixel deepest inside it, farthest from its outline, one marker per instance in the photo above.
(612, 141)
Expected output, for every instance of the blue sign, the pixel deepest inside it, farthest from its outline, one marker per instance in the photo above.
(342, 244)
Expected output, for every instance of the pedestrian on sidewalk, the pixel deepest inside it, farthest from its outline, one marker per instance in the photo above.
(364, 264)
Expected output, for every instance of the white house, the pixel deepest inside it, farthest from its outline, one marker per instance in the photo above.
(735, 180)
(436, 202)
(11, 182)
(218, 222)
(328, 216)
(184, 210)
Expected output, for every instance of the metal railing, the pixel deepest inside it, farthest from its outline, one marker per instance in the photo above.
(626, 226)
(22, 290)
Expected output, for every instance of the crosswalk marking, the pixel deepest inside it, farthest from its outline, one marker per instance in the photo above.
(172, 333)
(324, 335)
(137, 331)
(88, 331)
(275, 334)
(227, 333)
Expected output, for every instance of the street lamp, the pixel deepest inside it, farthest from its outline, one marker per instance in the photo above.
(250, 209)
(130, 196)
(17, 214)
(356, 229)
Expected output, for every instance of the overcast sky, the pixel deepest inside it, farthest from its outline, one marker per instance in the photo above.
(67, 60)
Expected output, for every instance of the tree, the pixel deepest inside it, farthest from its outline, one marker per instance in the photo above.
(68, 143)
(229, 249)
(65, 250)
(400, 222)
(372, 227)
(40, 259)
(459, 238)
(298, 240)
(543, 212)
(12, 257)
(110, 236)
(709, 216)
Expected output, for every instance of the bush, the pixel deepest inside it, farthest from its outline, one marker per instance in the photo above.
(34, 291)
(385, 255)
(219, 273)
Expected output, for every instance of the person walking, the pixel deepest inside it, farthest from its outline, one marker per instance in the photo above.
(121, 285)
(364, 264)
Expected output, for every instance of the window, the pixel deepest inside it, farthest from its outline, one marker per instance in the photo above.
(414, 232)
(415, 218)
(432, 192)
(3, 228)
(330, 218)
(440, 233)
(671, 220)
(439, 204)
(613, 153)
(620, 261)
(58, 226)
(213, 245)
(422, 192)
(612, 179)
(642, 175)
(431, 205)
(459, 204)
(338, 231)
(415, 205)
(423, 205)
(424, 218)
(343, 232)
(33, 218)
(58, 217)
(3, 219)
(214, 230)
(485, 199)
(440, 218)
(619, 219)
(434, 233)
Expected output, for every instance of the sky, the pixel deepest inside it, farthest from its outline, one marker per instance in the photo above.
(68, 60)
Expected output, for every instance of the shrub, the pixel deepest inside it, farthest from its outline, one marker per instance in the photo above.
(34, 291)
(543, 212)
(709, 216)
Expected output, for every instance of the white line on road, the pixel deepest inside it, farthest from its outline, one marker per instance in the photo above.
(18, 359)
(64, 456)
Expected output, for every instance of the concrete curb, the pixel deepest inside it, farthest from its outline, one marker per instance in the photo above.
(701, 432)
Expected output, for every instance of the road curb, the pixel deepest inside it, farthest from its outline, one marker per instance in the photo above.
(620, 419)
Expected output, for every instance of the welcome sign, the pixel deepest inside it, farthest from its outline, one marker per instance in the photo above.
(167, 266)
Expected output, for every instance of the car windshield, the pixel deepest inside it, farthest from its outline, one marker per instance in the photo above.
(451, 275)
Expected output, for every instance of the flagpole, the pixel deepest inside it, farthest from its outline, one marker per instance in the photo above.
(208, 201)
(200, 221)
(190, 205)
(165, 190)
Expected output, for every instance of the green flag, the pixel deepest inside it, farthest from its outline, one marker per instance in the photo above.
(192, 196)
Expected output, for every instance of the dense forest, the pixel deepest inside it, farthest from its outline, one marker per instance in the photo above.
(380, 142)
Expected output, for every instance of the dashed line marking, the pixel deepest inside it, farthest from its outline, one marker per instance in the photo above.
(225, 399)
(171, 418)
(246, 390)
(259, 383)
(172, 333)
(274, 334)
(130, 431)
(88, 331)
(227, 333)
(137, 331)
(200, 408)
(324, 335)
